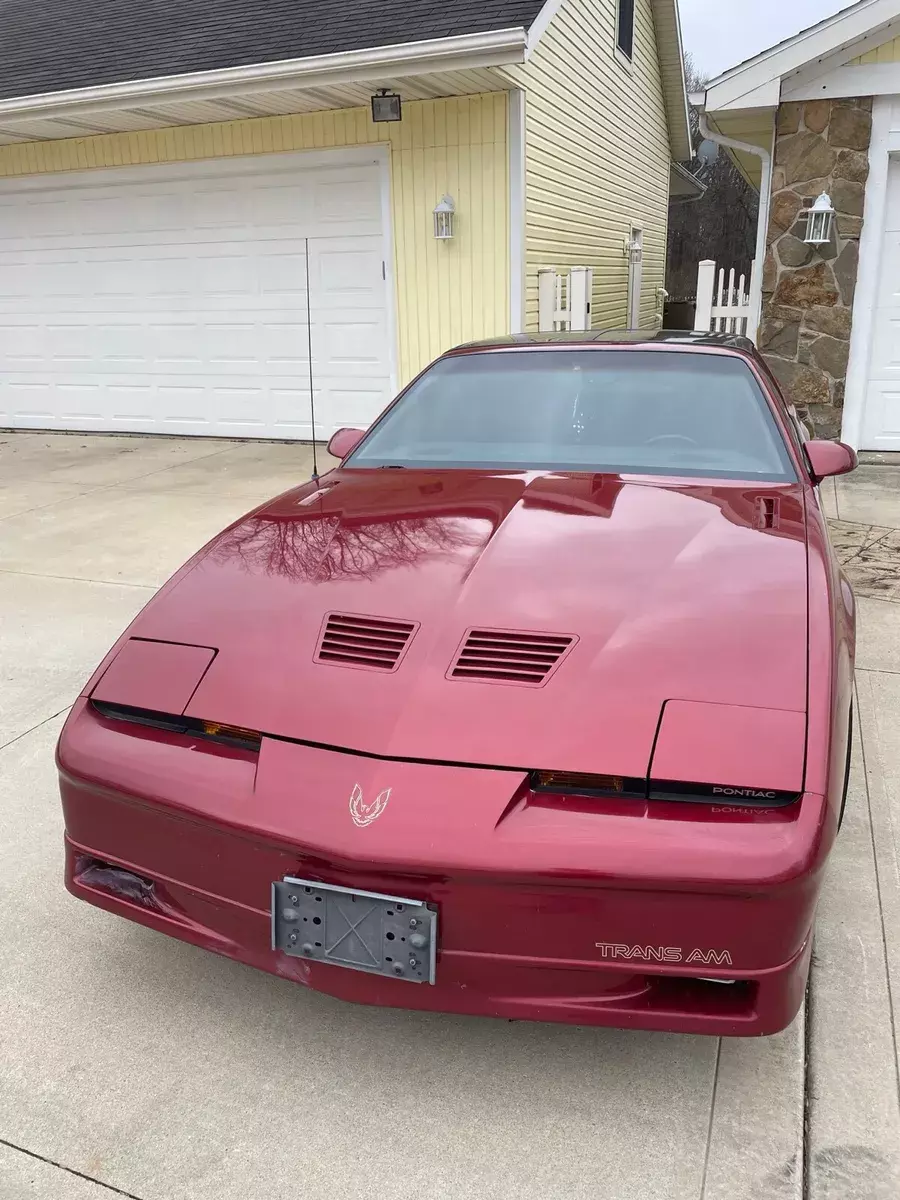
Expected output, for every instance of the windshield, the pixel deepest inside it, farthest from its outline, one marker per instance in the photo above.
(641, 412)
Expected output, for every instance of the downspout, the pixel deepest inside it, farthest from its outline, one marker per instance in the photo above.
(765, 204)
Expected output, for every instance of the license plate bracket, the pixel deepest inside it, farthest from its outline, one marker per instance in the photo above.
(363, 931)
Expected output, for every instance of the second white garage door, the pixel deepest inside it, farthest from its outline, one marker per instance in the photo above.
(174, 299)
(881, 419)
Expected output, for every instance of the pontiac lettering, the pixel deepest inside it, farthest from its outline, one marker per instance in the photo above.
(746, 793)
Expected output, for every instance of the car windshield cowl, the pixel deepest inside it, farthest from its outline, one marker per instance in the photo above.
(636, 412)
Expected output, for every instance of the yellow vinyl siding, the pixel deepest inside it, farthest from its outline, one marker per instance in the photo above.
(597, 156)
(888, 53)
(447, 292)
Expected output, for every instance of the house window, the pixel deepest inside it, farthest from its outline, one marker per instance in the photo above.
(625, 28)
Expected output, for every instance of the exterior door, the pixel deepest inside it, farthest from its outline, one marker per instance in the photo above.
(635, 276)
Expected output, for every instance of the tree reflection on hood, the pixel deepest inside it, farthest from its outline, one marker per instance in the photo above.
(327, 549)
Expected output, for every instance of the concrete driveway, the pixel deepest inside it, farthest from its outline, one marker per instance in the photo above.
(132, 1065)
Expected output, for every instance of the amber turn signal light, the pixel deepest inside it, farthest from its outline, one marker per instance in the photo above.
(215, 731)
(232, 733)
(572, 781)
(580, 783)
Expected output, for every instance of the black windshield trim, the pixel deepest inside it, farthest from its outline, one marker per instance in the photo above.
(511, 468)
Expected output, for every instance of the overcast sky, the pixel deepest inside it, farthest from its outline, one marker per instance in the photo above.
(721, 33)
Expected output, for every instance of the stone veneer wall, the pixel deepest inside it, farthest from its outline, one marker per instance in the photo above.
(821, 146)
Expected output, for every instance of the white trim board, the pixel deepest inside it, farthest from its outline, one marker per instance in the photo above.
(872, 79)
(680, 140)
(827, 64)
(852, 31)
(516, 150)
(492, 49)
(541, 23)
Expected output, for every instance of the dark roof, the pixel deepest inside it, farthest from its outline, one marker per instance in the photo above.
(614, 337)
(54, 45)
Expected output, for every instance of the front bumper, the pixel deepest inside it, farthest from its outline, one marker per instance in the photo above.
(548, 911)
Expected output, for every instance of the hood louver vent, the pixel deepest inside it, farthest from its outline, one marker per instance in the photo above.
(376, 644)
(768, 512)
(506, 656)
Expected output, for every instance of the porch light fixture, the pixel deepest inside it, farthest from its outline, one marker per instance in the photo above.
(443, 218)
(819, 221)
(386, 106)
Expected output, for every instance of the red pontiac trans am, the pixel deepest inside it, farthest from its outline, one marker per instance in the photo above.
(537, 707)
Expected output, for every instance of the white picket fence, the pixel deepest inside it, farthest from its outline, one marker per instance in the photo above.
(724, 304)
(564, 298)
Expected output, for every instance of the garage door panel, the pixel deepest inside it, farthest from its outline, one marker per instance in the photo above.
(283, 275)
(285, 345)
(886, 343)
(154, 274)
(883, 410)
(889, 282)
(176, 195)
(354, 344)
(21, 342)
(74, 401)
(15, 285)
(208, 346)
(347, 197)
(219, 208)
(348, 407)
(290, 407)
(221, 408)
(27, 403)
(69, 343)
(346, 270)
(177, 302)
(129, 403)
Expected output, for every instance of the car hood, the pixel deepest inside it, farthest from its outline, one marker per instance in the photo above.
(694, 591)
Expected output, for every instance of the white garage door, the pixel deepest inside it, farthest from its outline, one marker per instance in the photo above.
(174, 299)
(881, 418)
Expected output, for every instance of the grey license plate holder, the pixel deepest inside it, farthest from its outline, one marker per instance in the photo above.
(365, 931)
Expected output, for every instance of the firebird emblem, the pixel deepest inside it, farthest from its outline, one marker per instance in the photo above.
(364, 814)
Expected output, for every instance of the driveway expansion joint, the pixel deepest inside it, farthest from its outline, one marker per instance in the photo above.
(70, 1170)
(25, 733)
(892, 1012)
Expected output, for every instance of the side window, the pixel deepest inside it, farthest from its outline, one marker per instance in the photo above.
(625, 28)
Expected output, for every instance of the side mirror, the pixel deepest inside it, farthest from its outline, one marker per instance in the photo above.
(830, 458)
(345, 441)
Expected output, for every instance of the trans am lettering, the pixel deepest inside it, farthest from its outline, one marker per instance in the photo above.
(663, 954)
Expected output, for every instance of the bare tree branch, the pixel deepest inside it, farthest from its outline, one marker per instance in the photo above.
(721, 225)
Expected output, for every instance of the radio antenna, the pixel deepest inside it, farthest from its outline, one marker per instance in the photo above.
(312, 395)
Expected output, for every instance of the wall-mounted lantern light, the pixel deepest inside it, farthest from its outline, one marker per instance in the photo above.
(443, 218)
(819, 221)
(386, 106)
